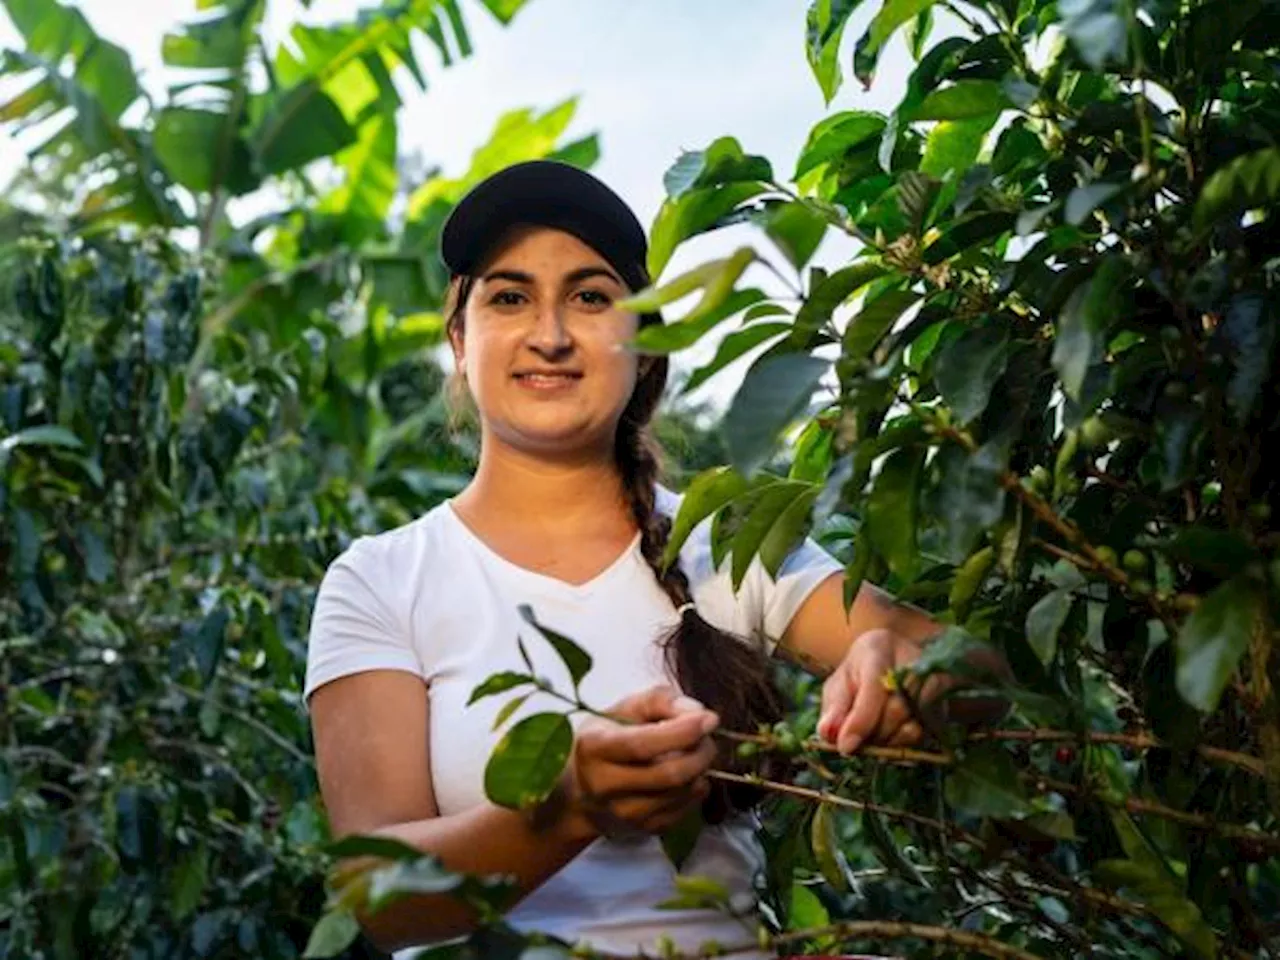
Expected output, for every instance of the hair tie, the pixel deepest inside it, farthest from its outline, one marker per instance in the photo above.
(683, 609)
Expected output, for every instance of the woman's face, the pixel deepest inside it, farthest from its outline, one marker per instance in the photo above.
(543, 346)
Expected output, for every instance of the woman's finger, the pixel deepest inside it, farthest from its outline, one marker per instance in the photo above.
(869, 702)
(641, 743)
(668, 775)
(908, 735)
(837, 697)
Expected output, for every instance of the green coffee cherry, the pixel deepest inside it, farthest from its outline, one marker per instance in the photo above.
(1041, 480)
(1106, 555)
(1135, 561)
(1095, 433)
(1140, 586)
(748, 749)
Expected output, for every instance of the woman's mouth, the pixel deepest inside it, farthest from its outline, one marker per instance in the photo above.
(548, 379)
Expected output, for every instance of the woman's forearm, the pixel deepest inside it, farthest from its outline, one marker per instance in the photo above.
(485, 840)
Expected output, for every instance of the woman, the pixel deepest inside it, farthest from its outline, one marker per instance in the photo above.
(564, 514)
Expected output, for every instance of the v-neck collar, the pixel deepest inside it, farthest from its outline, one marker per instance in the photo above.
(545, 580)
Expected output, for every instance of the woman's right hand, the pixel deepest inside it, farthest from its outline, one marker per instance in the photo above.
(639, 775)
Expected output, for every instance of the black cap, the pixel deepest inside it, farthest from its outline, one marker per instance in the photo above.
(550, 194)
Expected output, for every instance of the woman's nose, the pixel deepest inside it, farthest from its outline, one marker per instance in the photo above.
(549, 337)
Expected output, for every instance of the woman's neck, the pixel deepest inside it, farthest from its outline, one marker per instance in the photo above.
(513, 488)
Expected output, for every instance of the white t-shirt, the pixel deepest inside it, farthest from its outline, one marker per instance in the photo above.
(432, 599)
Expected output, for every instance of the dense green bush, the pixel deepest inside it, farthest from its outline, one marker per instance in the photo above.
(1037, 401)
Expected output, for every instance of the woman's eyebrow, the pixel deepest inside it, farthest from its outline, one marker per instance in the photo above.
(515, 276)
(586, 273)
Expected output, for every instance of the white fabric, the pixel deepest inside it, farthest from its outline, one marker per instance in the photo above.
(432, 599)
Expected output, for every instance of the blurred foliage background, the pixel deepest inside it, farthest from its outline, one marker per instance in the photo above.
(197, 412)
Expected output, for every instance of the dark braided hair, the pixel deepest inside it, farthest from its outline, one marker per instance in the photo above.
(728, 674)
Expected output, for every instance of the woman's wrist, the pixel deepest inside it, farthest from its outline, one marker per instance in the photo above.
(560, 816)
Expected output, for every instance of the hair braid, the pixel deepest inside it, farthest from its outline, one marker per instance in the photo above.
(729, 675)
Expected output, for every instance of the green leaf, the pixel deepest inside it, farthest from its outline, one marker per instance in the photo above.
(576, 660)
(385, 848)
(824, 28)
(797, 229)
(1082, 201)
(968, 367)
(807, 911)
(504, 10)
(370, 180)
(969, 580)
(964, 100)
(200, 150)
(893, 510)
(838, 134)
(508, 708)
(721, 163)
(967, 232)
(985, 783)
(968, 497)
(42, 436)
(953, 146)
(678, 841)
(1083, 324)
(916, 193)
(1249, 331)
(787, 531)
(731, 348)
(773, 508)
(832, 291)
(1044, 623)
(1220, 552)
(498, 683)
(775, 390)
(892, 15)
(1152, 884)
(1098, 30)
(826, 847)
(302, 125)
(707, 493)
(528, 761)
(189, 879)
(336, 931)
(888, 851)
(1246, 183)
(1212, 641)
(690, 214)
(681, 334)
(421, 875)
(811, 460)
(874, 320)
(209, 641)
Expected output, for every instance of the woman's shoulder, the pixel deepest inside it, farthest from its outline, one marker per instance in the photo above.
(397, 548)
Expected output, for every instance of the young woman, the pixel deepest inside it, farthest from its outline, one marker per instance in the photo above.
(565, 514)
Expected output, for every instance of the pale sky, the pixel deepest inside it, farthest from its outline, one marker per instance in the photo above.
(653, 78)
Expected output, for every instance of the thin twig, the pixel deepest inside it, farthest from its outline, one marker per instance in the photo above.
(1134, 741)
(882, 930)
(1234, 831)
(253, 722)
(823, 796)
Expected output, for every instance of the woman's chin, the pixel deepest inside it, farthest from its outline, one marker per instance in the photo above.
(557, 436)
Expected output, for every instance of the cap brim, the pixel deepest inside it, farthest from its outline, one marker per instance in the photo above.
(551, 194)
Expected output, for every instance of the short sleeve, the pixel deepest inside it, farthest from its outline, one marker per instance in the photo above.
(774, 601)
(353, 628)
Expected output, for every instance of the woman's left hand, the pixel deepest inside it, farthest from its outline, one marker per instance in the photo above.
(859, 703)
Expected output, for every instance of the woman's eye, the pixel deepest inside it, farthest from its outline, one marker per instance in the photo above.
(595, 298)
(507, 298)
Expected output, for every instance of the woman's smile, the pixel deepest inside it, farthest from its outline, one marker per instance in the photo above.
(547, 381)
